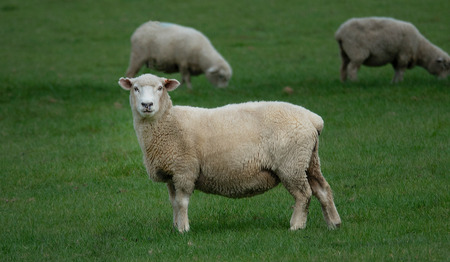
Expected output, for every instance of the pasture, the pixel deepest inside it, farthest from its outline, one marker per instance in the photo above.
(72, 182)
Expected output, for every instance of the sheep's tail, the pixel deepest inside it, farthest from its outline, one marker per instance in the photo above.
(344, 55)
(345, 61)
(317, 122)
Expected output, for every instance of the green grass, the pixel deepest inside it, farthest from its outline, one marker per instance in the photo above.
(72, 182)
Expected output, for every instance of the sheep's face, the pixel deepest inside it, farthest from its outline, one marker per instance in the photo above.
(219, 76)
(440, 67)
(146, 93)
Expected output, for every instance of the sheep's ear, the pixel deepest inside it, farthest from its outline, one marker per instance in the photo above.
(171, 84)
(441, 61)
(125, 83)
(212, 70)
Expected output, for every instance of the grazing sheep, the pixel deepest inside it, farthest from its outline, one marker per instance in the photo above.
(236, 151)
(376, 41)
(173, 48)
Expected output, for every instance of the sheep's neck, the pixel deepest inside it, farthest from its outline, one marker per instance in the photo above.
(207, 60)
(148, 128)
(426, 53)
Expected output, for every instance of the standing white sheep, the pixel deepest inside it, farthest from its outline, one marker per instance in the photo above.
(172, 48)
(236, 151)
(376, 41)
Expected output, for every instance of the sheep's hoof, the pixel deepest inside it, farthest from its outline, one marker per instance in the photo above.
(184, 229)
(297, 227)
(334, 226)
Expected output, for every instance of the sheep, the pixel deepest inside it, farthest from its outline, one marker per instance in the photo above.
(238, 150)
(376, 41)
(172, 48)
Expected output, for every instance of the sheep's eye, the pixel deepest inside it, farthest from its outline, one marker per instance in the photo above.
(160, 88)
(136, 89)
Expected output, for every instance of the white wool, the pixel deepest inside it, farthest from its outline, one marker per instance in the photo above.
(237, 150)
(172, 48)
(376, 41)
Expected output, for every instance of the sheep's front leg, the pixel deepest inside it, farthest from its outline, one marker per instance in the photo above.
(398, 77)
(182, 201)
(175, 208)
(186, 76)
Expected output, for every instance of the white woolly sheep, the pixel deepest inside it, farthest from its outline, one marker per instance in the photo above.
(236, 151)
(172, 48)
(376, 41)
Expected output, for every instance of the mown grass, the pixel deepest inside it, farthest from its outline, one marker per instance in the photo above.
(72, 183)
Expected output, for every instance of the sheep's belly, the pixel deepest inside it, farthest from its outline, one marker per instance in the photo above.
(172, 67)
(380, 57)
(163, 66)
(237, 185)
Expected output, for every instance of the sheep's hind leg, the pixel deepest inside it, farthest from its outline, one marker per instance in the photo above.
(398, 77)
(345, 61)
(136, 62)
(321, 189)
(299, 188)
(344, 66)
(352, 70)
(399, 72)
(353, 57)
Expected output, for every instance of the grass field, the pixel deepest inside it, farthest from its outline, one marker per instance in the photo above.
(72, 183)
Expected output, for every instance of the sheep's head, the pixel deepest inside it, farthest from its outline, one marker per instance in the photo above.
(440, 67)
(219, 75)
(148, 93)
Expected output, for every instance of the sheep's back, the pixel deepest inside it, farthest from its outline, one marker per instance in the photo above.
(166, 36)
(242, 131)
(383, 38)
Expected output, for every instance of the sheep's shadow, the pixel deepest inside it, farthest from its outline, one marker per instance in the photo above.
(232, 223)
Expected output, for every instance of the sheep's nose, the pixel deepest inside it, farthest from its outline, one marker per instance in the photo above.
(147, 105)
